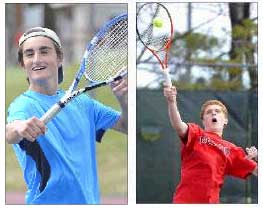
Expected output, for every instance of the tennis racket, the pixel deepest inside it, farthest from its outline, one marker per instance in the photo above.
(154, 28)
(104, 61)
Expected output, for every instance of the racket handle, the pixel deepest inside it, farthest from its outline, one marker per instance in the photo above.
(50, 113)
(167, 77)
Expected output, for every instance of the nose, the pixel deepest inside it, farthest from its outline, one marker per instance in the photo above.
(36, 58)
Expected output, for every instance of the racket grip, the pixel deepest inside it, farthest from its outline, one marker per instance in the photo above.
(167, 77)
(50, 113)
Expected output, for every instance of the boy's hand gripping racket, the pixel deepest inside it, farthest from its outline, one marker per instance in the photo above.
(155, 29)
(104, 61)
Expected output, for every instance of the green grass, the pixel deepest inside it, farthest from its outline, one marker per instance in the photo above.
(111, 153)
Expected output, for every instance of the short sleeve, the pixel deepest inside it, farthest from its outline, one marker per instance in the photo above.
(194, 131)
(238, 165)
(18, 110)
(105, 117)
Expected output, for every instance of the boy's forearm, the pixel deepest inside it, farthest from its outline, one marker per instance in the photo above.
(175, 119)
(255, 171)
(122, 124)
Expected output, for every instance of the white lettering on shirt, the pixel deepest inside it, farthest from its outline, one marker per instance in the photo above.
(208, 141)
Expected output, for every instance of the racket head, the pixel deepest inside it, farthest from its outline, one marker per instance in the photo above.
(155, 38)
(106, 55)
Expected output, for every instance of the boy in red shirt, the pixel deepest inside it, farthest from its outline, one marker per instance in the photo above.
(206, 156)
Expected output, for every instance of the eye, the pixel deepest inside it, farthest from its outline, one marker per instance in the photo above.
(209, 111)
(29, 54)
(44, 52)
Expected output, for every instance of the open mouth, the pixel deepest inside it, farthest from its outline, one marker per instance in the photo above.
(38, 68)
(214, 120)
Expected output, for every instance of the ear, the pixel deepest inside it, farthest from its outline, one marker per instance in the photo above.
(60, 58)
(59, 62)
(225, 122)
(23, 67)
(22, 64)
(203, 122)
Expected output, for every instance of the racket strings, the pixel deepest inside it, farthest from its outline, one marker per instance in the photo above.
(155, 42)
(154, 37)
(109, 56)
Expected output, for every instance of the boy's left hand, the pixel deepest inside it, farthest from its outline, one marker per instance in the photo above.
(252, 153)
(120, 88)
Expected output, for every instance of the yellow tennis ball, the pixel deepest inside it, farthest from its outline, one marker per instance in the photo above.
(157, 22)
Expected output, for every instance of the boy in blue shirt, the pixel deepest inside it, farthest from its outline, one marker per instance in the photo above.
(59, 164)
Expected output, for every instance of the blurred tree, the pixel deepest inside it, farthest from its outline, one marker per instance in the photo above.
(242, 45)
(49, 17)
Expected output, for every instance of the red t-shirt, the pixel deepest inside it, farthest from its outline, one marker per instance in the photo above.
(206, 159)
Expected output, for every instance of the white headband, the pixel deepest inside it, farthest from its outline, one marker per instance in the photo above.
(40, 31)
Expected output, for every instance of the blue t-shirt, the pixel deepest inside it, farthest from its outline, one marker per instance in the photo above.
(60, 166)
